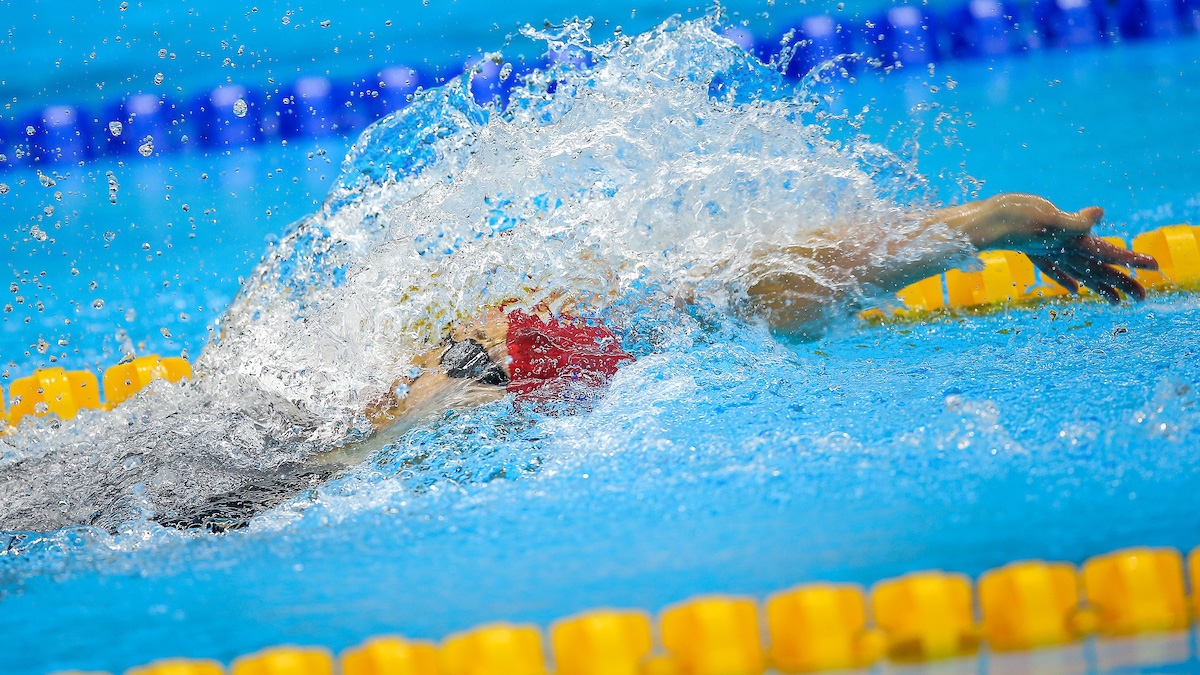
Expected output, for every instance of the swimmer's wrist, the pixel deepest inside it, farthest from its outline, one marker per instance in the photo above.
(982, 223)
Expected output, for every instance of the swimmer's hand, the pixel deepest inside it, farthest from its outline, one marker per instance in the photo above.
(1059, 242)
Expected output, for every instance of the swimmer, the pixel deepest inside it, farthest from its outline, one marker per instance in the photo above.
(539, 354)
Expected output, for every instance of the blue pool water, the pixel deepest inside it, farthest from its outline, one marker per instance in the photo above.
(723, 460)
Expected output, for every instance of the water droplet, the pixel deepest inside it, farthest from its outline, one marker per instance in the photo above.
(147, 147)
(41, 407)
(98, 304)
(239, 108)
(115, 128)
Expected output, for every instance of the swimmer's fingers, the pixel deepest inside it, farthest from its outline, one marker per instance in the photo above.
(1050, 269)
(1105, 279)
(1100, 250)
(1119, 278)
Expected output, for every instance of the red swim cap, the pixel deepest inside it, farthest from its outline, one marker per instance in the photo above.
(549, 356)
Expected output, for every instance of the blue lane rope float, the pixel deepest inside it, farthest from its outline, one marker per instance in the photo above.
(919, 617)
(316, 106)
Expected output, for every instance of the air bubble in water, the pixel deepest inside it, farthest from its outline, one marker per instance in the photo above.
(124, 6)
(115, 128)
(239, 108)
(162, 53)
(147, 147)
(37, 233)
(165, 333)
(286, 20)
(41, 407)
(158, 78)
(3, 188)
(98, 303)
(110, 235)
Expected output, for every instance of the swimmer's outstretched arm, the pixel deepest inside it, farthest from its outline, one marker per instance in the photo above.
(799, 294)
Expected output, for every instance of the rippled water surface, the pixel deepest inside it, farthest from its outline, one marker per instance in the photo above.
(723, 459)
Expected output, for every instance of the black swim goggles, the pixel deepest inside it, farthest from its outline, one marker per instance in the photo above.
(469, 360)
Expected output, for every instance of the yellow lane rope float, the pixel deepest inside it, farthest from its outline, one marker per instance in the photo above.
(1009, 277)
(54, 391)
(917, 617)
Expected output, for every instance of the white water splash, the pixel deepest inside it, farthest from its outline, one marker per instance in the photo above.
(670, 166)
